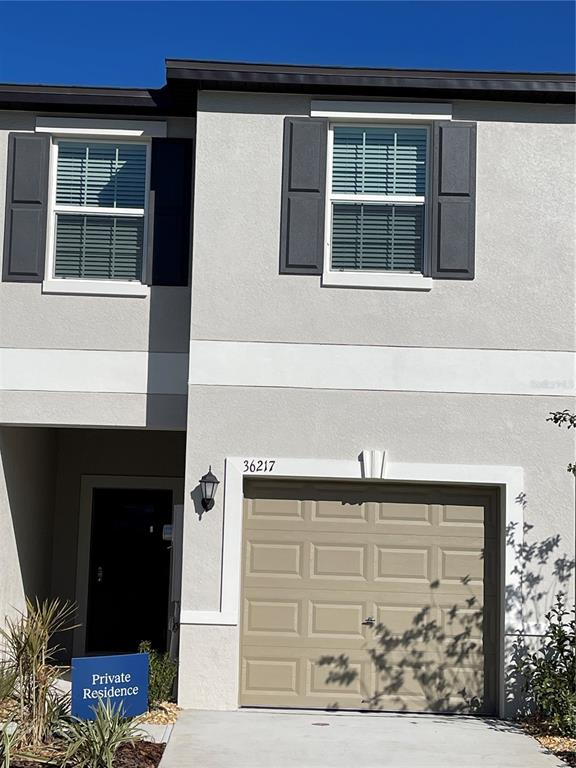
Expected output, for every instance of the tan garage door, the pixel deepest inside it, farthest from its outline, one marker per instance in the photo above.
(369, 596)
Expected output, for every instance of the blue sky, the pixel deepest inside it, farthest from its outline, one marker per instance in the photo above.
(125, 43)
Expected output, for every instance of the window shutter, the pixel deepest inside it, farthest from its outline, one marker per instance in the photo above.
(453, 201)
(303, 196)
(170, 198)
(26, 208)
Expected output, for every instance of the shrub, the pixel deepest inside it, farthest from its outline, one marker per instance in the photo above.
(30, 667)
(7, 681)
(550, 672)
(162, 674)
(94, 743)
(8, 736)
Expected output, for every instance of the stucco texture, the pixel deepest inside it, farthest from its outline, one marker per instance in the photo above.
(523, 293)
(31, 319)
(27, 485)
(40, 484)
(410, 427)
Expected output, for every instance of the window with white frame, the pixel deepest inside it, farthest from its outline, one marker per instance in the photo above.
(377, 198)
(99, 209)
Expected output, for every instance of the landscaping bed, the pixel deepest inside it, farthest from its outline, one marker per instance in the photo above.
(36, 725)
(143, 754)
(562, 747)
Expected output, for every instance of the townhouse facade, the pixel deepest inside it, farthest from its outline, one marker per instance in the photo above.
(345, 300)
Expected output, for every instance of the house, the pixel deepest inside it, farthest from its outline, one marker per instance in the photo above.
(349, 294)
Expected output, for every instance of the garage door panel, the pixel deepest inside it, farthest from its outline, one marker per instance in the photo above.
(274, 617)
(270, 676)
(313, 619)
(335, 511)
(401, 562)
(356, 560)
(275, 559)
(339, 562)
(322, 558)
(269, 510)
(430, 682)
(303, 678)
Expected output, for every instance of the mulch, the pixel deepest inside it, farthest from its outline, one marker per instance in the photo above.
(144, 754)
(561, 746)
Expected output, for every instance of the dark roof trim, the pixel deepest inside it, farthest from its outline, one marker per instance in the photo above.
(516, 86)
(69, 98)
(185, 77)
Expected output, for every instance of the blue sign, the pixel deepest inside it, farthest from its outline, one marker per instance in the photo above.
(121, 681)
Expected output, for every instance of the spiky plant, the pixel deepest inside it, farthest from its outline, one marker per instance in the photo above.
(8, 737)
(30, 656)
(94, 743)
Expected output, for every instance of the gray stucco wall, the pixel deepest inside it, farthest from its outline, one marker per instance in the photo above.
(27, 483)
(523, 294)
(41, 472)
(522, 299)
(411, 427)
(31, 319)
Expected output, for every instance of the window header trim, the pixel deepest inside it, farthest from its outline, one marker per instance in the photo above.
(380, 110)
(118, 129)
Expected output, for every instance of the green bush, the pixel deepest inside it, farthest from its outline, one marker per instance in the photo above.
(94, 743)
(162, 675)
(550, 672)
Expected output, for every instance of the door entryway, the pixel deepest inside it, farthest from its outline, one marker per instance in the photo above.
(369, 596)
(129, 569)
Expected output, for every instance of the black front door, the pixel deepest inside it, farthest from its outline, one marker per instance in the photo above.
(128, 587)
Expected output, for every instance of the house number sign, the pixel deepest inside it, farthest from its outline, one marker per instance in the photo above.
(255, 466)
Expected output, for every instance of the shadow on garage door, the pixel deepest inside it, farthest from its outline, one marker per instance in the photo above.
(364, 595)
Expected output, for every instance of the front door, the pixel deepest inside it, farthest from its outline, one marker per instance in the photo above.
(129, 571)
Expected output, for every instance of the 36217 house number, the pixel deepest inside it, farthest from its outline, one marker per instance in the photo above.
(259, 465)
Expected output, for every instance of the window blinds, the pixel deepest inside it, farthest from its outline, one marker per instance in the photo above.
(93, 244)
(99, 247)
(386, 163)
(377, 236)
(101, 175)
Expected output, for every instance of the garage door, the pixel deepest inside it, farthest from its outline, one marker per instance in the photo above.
(365, 596)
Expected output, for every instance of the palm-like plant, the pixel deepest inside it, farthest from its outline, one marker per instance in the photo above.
(94, 743)
(8, 736)
(31, 661)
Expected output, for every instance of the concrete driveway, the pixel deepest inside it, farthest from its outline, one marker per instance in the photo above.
(282, 739)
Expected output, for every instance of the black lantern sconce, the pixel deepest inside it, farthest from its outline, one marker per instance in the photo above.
(208, 484)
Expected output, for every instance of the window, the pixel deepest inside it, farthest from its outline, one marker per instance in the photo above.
(377, 198)
(99, 209)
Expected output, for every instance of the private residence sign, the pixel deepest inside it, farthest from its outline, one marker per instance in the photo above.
(121, 681)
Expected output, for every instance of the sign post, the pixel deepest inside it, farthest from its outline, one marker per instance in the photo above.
(121, 681)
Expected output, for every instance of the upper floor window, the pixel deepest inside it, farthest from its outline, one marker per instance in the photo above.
(99, 209)
(377, 197)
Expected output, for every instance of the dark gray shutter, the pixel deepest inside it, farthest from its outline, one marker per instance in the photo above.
(453, 201)
(303, 196)
(170, 199)
(26, 208)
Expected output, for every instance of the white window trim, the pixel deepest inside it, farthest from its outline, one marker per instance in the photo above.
(377, 110)
(410, 281)
(87, 286)
(114, 129)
